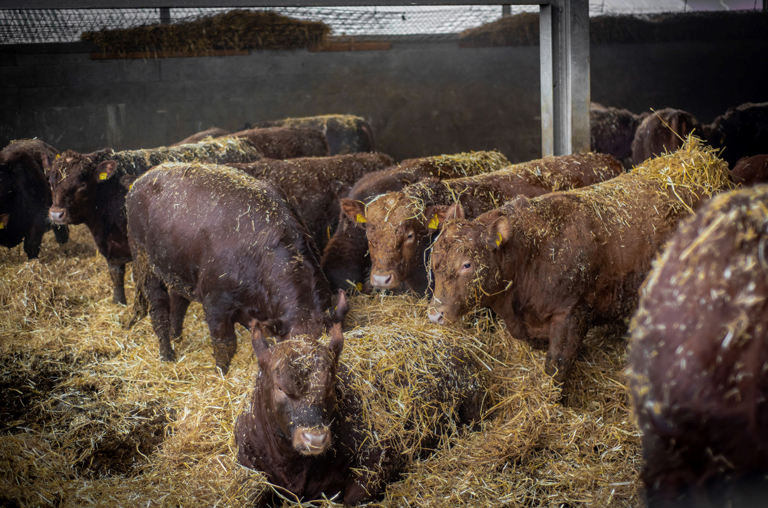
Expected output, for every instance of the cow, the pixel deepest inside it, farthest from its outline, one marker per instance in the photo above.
(87, 190)
(345, 258)
(314, 185)
(741, 131)
(306, 425)
(25, 196)
(400, 226)
(663, 131)
(612, 131)
(286, 142)
(751, 170)
(213, 132)
(698, 358)
(345, 133)
(216, 235)
(553, 266)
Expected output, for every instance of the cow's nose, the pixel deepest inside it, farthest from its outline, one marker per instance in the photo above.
(314, 441)
(436, 316)
(384, 281)
(57, 214)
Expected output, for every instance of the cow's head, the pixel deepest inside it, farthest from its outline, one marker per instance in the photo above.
(345, 261)
(75, 183)
(397, 235)
(466, 264)
(297, 383)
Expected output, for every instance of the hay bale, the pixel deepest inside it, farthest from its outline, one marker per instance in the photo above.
(234, 30)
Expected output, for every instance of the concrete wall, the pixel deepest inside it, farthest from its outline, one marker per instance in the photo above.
(423, 98)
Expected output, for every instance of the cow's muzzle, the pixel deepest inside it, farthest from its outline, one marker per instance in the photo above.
(311, 441)
(57, 215)
(436, 316)
(386, 280)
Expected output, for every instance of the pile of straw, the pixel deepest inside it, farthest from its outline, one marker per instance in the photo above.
(234, 30)
(95, 417)
(213, 150)
(460, 164)
(523, 29)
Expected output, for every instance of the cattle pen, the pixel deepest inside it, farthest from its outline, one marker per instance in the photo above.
(94, 413)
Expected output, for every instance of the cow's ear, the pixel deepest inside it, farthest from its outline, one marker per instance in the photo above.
(4, 218)
(127, 181)
(336, 345)
(499, 232)
(105, 170)
(438, 214)
(354, 210)
(45, 159)
(260, 346)
(342, 307)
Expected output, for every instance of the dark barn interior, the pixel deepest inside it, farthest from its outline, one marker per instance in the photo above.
(548, 395)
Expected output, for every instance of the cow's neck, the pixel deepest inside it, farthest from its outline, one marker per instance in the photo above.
(108, 217)
(512, 293)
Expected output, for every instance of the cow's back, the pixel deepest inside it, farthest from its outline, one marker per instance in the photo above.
(663, 131)
(699, 346)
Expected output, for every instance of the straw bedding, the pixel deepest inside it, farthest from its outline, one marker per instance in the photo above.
(92, 416)
(233, 30)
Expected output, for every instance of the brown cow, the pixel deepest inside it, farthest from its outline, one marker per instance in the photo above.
(87, 190)
(345, 258)
(612, 131)
(751, 170)
(25, 195)
(306, 425)
(286, 143)
(402, 225)
(213, 132)
(555, 265)
(345, 133)
(699, 359)
(741, 132)
(662, 131)
(214, 234)
(314, 185)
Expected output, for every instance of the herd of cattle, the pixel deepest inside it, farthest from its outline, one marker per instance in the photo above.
(268, 227)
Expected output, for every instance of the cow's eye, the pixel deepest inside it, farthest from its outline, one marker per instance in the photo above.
(466, 266)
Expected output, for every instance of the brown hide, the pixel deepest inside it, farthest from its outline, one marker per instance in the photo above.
(612, 131)
(662, 131)
(213, 132)
(286, 143)
(699, 358)
(214, 234)
(401, 225)
(751, 170)
(25, 195)
(314, 185)
(345, 133)
(553, 266)
(741, 132)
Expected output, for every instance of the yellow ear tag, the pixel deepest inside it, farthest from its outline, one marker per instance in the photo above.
(102, 176)
(2, 226)
(498, 239)
(359, 286)
(360, 218)
(130, 186)
(434, 222)
(328, 230)
(57, 156)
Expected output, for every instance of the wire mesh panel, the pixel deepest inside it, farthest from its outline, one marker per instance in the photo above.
(66, 25)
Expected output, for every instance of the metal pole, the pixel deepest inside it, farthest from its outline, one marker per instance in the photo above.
(165, 15)
(565, 94)
(506, 10)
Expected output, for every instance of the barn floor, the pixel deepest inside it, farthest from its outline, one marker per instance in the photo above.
(89, 415)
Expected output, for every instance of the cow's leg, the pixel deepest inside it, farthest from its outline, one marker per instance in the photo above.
(179, 306)
(34, 238)
(61, 233)
(222, 328)
(565, 338)
(117, 274)
(160, 313)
